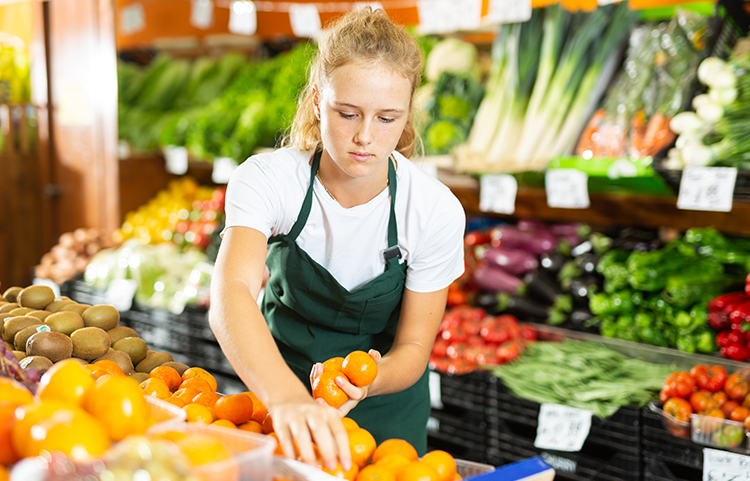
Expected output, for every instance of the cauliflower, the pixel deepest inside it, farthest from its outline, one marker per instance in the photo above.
(451, 55)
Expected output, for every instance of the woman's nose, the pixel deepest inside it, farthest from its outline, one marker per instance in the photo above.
(364, 134)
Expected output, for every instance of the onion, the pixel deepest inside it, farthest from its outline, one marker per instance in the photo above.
(710, 112)
(685, 122)
(708, 67)
(722, 96)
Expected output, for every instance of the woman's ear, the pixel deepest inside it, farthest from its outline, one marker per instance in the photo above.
(316, 101)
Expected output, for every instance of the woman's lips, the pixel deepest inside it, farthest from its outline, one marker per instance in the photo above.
(360, 156)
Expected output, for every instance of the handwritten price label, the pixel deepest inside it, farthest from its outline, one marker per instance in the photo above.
(223, 169)
(202, 13)
(509, 11)
(305, 20)
(707, 188)
(497, 193)
(176, 158)
(562, 428)
(436, 396)
(445, 16)
(567, 189)
(132, 19)
(243, 18)
(725, 466)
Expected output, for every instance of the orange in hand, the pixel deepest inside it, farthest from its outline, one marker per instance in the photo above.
(169, 375)
(360, 368)
(333, 364)
(443, 463)
(237, 408)
(394, 446)
(325, 388)
(362, 445)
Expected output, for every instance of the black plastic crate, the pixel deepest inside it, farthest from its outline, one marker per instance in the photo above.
(657, 469)
(456, 448)
(657, 442)
(621, 431)
(465, 391)
(83, 293)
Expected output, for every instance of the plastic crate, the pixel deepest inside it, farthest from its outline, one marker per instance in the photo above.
(466, 469)
(460, 432)
(657, 442)
(657, 469)
(464, 391)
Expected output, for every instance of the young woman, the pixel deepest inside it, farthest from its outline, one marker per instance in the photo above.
(362, 246)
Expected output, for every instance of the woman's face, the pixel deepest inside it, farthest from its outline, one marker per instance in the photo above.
(363, 109)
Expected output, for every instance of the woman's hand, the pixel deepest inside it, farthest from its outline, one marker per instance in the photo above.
(299, 424)
(356, 394)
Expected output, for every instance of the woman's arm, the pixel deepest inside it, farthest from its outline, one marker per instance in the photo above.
(245, 339)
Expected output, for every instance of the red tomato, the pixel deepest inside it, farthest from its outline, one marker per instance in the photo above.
(679, 384)
(739, 414)
(528, 332)
(728, 407)
(678, 408)
(455, 334)
(709, 378)
(736, 387)
(507, 352)
(746, 401)
(456, 298)
(702, 401)
(494, 332)
(440, 348)
(720, 397)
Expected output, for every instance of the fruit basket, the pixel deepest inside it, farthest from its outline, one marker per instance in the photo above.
(673, 425)
(166, 416)
(717, 432)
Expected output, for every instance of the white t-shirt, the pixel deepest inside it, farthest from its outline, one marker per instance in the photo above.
(266, 194)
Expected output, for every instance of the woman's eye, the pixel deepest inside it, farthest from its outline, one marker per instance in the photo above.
(347, 116)
(386, 120)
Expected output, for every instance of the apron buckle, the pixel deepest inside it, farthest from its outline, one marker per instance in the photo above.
(392, 252)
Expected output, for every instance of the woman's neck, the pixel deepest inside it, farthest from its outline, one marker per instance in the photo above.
(350, 191)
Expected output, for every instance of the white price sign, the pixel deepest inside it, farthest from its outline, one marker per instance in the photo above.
(176, 159)
(305, 20)
(223, 169)
(436, 396)
(562, 428)
(567, 189)
(509, 11)
(445, 16)
(120, 293)
(707, 188)
(242, 17)
(201, 13)
(497, 193)
(132, 19)
(725, 466)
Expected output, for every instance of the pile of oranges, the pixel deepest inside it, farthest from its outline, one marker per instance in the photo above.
(358, 367)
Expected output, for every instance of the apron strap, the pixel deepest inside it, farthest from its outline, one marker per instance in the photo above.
(304, 212)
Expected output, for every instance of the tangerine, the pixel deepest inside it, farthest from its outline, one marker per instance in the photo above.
(443, 462)
(252, 427)
(14, 392)
(202, 373)
(225, 423)
(197, 383)
(394, 446)
(187, 394)
(340, 472)
(324, 387)
(349, 423)
(175, 401)
(169, 375)
(392, 462)
(333, 364)
(155, 387)
(207, 398)
(237, 408)
(4, 474)
(259, 409)
(267, 424)
(203, 449)
(198, 413)
(362, 445)
(8, 455)
(110, 367)
(418, 471)
(119, 404)
(66, 381)
(360, 368)
(95, 371)
(375, 472)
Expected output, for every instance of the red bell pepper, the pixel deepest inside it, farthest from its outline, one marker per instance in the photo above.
(719, 320)
(747, 285)
(740, 314)
(727, 302)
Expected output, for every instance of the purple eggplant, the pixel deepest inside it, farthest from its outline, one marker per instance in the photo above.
(513, 261)
(531, 225)
(536, 242)
(493, 279)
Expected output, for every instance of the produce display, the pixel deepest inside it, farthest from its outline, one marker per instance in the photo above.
(72, 253)
(15, 82)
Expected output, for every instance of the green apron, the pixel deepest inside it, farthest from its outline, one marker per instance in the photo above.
(313, 318)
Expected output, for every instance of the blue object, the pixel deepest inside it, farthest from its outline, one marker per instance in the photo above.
(517, 471)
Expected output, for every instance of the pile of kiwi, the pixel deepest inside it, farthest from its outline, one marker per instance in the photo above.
(42, 329)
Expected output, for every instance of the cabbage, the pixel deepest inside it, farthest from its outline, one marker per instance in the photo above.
(454, 56)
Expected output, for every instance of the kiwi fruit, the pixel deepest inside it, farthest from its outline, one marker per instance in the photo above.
(39, 314)
(135, 347)
(21, 311)
(65, 322)
(9, 307)
(153, 360)
(90, 343)
(36, 297)
(121, 358)
(19, 340)
(39, 363)
(20, 355)
(75, 307)
(58, 304)
(121, 332)
(15, 324)
(4, 316)
(55, 346)
(177, 366)
(11, 293)
(2, 299)
(102, 316)
(139, 376)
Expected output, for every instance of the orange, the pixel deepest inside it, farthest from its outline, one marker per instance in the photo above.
(443, 463)
(333, 364)
(237, 408)
(375, 472)
(187, 394)
(175, 401)
(199, 372)
(95, 371)
(207, 398)
(457, 477)
(154, 386)
(197, 383)
(169, 375)
(340, 472)
(224, 423)
(361, 445)
(119, 404)
(349, 423)
(267, 424)
(4, 474)
(110, 367)
(66, 381)
(252, 426)
(360, 368)
(278, 451)
(8, 455)
(392, 462)
(394, 446)
(259, 409)
(418, 471)
(324, 387)
(203, 449)
(14, 392)
(198, 413)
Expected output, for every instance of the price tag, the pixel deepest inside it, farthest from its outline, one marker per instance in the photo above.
(373, 5)
(436, 396)
(707, 188)
(176, 159)
(725, 466)
(46, 282)
(305, 20)
(607, 2)
(562, 428)
(223, 169)
(509, 11)
(201, 13)
(132, 19)
(497, 193)
(445, 16)
(567, 189)
(120, 293)
(242, 17)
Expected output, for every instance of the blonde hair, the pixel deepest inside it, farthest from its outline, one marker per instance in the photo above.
(362, 35)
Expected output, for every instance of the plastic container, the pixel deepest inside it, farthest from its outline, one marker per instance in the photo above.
(718, 432)
(252, 453)
(166, 416)
(673, 425)
(466, 469)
